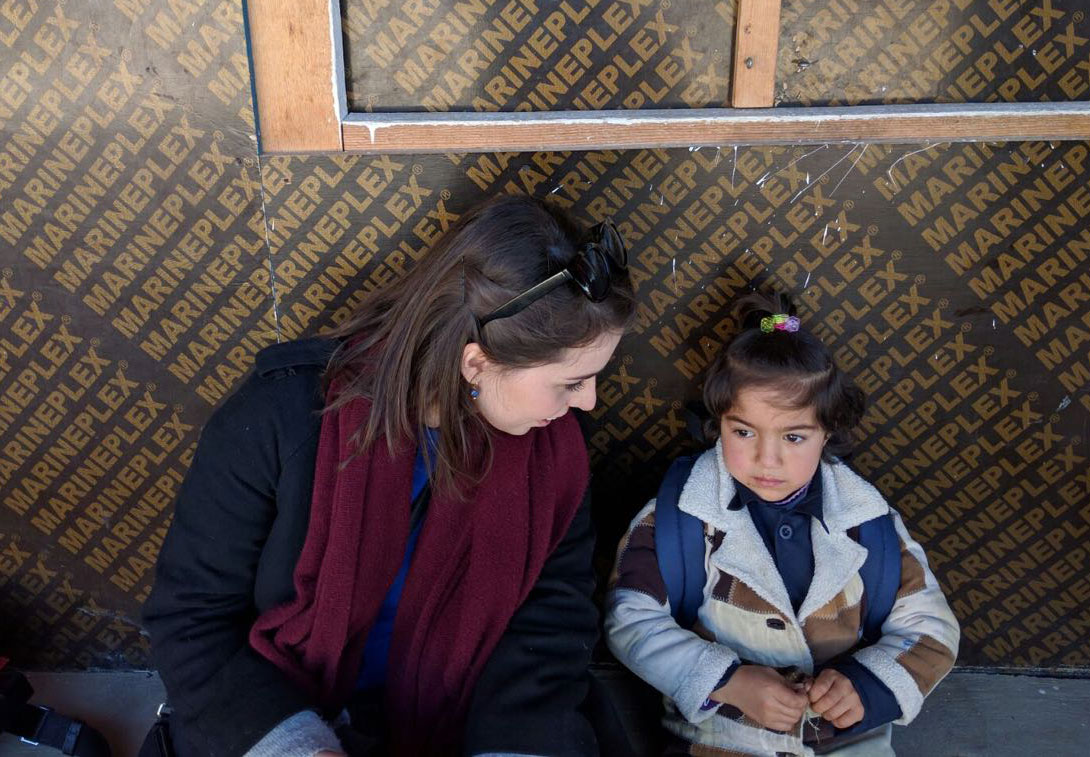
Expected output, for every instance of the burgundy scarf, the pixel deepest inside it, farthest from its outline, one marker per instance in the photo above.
(474, 564)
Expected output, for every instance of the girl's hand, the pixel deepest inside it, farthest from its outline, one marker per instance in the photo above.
(764, 696)
(834, 698)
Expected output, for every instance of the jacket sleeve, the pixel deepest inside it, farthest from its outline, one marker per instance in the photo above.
(225, 696)
(920, 637)
(526, 699)
(644, 636)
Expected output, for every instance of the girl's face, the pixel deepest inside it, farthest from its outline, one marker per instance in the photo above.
(515, 400)
(772, 449)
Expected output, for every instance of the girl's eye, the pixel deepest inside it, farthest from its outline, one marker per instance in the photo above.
(794, 438)
(575, 387)
(743, 433)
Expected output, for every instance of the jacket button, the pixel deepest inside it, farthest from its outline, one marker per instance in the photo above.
(786, 532)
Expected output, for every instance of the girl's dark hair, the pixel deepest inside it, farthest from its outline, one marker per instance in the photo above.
(794, 364)
(403, 347)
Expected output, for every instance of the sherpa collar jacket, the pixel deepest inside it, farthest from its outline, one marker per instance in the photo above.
(747, 615)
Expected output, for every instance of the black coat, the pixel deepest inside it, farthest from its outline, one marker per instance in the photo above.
(238, 530)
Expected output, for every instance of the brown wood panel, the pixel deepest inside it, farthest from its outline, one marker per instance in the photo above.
(577, 130)
(756, 38)
(297, 74)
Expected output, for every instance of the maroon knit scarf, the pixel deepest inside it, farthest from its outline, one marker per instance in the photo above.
(474, 564)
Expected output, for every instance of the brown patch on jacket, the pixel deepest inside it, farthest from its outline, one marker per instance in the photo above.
(927, 661)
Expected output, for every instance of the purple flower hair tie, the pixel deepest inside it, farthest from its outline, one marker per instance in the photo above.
(779, 322)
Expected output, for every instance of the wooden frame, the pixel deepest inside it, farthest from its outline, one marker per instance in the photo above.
(301, 106)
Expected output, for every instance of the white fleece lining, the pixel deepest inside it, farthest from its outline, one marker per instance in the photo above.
(696, 688)
(896, 679)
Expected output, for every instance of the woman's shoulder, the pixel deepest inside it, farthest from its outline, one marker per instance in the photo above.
(281, 393)
(286, 358)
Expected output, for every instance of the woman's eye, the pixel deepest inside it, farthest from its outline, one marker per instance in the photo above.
(794, 438)
(575, 387)
(743, 433)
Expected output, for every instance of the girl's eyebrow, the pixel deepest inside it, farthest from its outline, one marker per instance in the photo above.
(801, 427)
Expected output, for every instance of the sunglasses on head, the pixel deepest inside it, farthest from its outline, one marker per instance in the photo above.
(602, 253)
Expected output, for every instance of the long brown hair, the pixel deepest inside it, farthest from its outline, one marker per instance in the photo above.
(403, 347)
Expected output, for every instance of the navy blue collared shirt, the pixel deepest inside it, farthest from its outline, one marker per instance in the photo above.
(785, 528)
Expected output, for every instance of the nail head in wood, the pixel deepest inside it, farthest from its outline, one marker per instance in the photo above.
(756, 38)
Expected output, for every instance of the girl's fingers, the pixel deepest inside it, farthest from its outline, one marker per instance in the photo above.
(820, 687)
(837, 693)
(782, 718)
(850, 718)
(839, 709)
(790, 697)
(823, 705)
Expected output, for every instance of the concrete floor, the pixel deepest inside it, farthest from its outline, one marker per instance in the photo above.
(987, 714)
(971, 714)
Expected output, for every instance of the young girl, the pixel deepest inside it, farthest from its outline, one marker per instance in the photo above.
(774, 662)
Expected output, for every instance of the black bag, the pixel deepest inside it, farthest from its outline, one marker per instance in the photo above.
(157, 743)
(38, 725)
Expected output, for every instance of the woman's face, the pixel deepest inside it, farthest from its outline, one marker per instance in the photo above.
(515, 400)
(772, 449)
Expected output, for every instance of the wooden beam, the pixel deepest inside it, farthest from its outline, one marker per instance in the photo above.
(593, 130)
(295, 46)
(756, 40)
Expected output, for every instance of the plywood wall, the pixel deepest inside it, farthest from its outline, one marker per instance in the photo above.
(148, 252)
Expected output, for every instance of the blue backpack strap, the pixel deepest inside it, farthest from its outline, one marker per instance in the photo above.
(679, 545)
(881, 573)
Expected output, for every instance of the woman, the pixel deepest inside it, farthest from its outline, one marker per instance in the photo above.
(387, 532)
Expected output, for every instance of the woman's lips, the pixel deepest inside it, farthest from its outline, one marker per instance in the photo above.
(768, 481)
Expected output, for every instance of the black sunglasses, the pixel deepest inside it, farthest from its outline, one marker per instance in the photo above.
(602, 253)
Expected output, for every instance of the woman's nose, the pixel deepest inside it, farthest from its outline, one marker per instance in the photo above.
(585, 398)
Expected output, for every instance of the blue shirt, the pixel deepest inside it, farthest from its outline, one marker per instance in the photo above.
(785, 528)
(376, 651)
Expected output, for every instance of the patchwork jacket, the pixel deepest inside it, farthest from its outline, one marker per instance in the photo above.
(747, 615)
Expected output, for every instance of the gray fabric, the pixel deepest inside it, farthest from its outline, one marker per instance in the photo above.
(304, 734)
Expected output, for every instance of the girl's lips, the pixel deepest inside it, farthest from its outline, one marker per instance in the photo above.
(768, 481)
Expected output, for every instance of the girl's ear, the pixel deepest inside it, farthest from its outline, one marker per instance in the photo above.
(474, 362)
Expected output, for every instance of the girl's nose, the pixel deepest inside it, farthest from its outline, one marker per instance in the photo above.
(768, 452)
